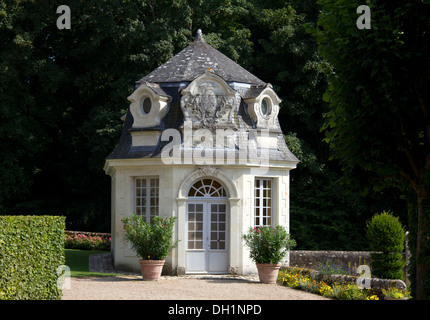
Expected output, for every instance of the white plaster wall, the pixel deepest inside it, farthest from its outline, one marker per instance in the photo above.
(172, 203)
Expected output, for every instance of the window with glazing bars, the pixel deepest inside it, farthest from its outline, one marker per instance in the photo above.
(147, 197)
(263, 202)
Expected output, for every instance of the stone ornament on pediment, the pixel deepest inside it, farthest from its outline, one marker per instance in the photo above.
(210, 171)
(209, 101)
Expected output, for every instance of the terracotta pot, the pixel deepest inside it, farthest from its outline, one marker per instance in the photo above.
(268, 272)
(151, 269)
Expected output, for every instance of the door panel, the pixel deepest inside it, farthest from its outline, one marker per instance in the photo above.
(196, 261)
(195, 226)
(207, 237)
(217, 251)
(217, 227)
(196, 253)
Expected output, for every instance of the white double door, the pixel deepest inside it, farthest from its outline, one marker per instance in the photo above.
(207, 236)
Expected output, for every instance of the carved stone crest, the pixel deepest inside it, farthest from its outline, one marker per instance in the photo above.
(208, 171)
(209, 101)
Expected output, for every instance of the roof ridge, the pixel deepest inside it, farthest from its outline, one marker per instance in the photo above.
(193, 60)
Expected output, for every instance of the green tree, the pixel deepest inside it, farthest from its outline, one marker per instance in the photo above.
(62, 94)
(21, 134)
(324, 214)
(63, 91)
(386, 237)
(378, 125)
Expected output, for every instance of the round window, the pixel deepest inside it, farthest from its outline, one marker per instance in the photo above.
(265, 107)
(146, 106)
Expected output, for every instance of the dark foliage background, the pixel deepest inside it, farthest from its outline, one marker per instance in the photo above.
(62, 93)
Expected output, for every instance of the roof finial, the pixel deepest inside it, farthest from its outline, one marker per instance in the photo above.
(199, 35)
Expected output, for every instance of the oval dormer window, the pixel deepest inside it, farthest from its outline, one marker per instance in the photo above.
(146, 105)
(265, 107)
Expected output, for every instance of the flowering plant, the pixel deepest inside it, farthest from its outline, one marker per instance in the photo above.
(394, 293)
(268, 244)
(151, 241)
(300, 279)
(83, 241)
(292, 279)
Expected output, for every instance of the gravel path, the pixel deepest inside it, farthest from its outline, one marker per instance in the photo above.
(128, 287)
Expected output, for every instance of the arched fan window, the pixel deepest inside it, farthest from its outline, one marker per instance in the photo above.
(207, 188)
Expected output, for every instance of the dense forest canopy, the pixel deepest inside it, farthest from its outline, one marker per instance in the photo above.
(62, 93)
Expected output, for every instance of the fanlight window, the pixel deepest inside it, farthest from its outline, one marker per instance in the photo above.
(207, 188)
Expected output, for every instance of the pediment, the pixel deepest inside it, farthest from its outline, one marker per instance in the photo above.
(209, 101)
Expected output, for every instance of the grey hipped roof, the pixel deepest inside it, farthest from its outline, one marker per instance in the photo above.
(194, 60)
(186, 66)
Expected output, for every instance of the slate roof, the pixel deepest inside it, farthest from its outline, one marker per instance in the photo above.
(194, 60)
(186, 66)
(125, 150)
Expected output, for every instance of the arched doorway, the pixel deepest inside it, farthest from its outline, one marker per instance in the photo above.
(207, 227)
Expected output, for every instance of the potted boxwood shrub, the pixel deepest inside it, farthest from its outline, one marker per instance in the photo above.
(268, 246)
(151, 241)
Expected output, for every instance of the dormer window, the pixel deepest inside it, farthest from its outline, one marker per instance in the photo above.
(263, 106)
(149, 104)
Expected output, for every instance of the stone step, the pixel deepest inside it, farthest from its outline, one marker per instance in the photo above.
(101, 263)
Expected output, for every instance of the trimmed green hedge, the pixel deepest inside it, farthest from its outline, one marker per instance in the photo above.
(31, 250)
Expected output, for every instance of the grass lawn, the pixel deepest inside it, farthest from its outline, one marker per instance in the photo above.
(77, 261)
